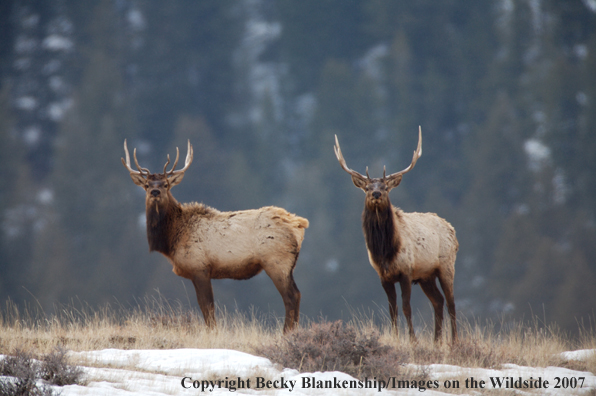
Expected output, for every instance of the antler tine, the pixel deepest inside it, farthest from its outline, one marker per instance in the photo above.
(166, 165)
(141, 169)
(127, 163)
(343, 164)
(174, 166)
(187, 162)
(417, 154)
(176, 162)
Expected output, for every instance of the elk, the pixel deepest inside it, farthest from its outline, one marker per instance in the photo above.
(203, 243)
(408, 248)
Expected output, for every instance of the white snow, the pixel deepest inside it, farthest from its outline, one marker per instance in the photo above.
(590, 4)
(538, 154)
(26, 103)
(220, 371)
(56, 42)
(581, 355)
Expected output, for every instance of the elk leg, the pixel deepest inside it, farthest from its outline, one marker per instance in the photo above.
(389, 288)
(429, 287)
(204, 292)
(447, 286)
(406, 291)
(291, 297)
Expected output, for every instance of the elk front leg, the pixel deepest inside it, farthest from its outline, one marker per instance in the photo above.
(202, 284)
(406, 291)
(389, 288)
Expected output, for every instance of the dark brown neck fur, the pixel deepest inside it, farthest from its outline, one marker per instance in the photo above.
(381, 235)
(161, 226)
(166, 223)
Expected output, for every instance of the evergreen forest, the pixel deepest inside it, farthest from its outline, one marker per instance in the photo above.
(504, 91)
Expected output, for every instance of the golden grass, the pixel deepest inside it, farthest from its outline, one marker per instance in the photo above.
(153, 324)
(158, 324)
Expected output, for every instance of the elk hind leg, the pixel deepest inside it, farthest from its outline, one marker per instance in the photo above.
(446, 282)
(204, 292)
(290, 294)
(429, 287)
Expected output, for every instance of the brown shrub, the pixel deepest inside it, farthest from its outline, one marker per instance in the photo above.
(333, 346)
(56, 370)
(25, 371)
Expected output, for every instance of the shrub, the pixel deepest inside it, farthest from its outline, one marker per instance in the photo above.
(56, 370)
(333, 346)
(24, 371)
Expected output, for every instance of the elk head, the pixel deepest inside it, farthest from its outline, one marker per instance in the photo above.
(157, 185)
(377, 189)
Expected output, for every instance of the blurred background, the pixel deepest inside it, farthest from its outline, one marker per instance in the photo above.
(504, 90)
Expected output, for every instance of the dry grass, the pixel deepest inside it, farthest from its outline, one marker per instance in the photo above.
(158, 324)
(488, 344)
(152, 324)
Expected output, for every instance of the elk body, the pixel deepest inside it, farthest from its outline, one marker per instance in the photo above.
(408, 248)
(203, 243)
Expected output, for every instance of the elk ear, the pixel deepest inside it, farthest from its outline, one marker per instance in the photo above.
(393, 182)
(175, 179)
(139, 180)
(359, 182)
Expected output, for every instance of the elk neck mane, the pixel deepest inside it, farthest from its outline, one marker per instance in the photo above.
(161, 220)
(381, 234)
(165, 223)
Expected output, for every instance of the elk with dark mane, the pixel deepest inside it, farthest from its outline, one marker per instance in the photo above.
(408, 248)
(203, 243)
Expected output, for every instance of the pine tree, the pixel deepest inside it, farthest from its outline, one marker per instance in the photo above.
(89, 251)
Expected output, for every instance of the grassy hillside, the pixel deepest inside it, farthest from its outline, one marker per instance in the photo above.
(158, 324)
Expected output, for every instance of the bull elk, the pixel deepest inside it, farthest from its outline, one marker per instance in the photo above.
(203, 243)
(408, 248)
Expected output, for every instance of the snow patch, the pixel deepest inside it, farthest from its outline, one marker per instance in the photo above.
(26, 103)
(538, 154)
(581, 355)
(56, 42)
(161, 372)
(590, 4)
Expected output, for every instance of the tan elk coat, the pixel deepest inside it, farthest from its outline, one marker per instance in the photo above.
(235, 245)
(203, 243)
(408, 248)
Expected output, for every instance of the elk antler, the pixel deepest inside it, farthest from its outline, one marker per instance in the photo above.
(417, 154)
(141, 171)
(342, 162)
(187, 162)
(175, 163)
